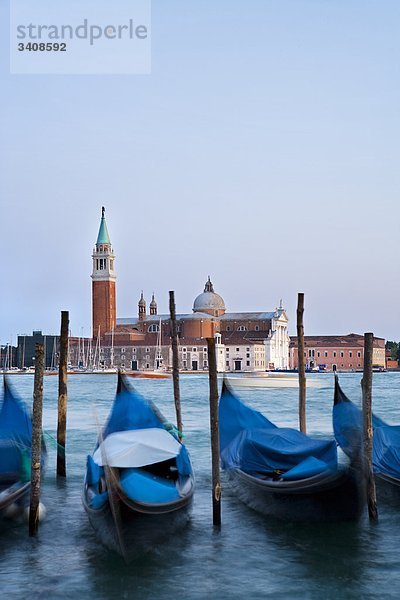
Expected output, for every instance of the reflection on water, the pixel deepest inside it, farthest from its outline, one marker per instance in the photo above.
(250, 556)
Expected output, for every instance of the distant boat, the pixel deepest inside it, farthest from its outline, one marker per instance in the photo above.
(15, 455)
(139, 482)
(148, 374)
(269, 380)
(347, 425)
(281, 472)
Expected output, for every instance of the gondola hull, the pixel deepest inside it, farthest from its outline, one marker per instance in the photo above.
(328, 498)
(14, 498)
(387, 488)
(347, 423)
(131, 532)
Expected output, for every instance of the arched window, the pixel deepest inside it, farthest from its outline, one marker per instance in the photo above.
(242, 328)
(153, 328)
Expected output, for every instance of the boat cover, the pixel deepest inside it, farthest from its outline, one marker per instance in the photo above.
(252, 443)
(15, 432)
(147, 488)
(136, 448)
(347, 425)
(129, 423)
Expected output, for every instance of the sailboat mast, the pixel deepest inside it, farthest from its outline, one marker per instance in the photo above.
(112, 349)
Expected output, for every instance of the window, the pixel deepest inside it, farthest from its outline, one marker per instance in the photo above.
(247, 355)
(359, 356)
(228, 328)
(247, 349)
(227, 349)
(183, 349)
(237, 349)
(334, 355)
(154, 329)
(122, 350)
(350, 354)
(326, 355)
(342, 365)
(227, 363)
(257, 328)
(318, 354)
(247, 363)
(242, 328)
(147, 365)
(342, 355)
(205, 364)
(194, 349)
(204, 349)
(184, 364)
(147, 349)
(134, 351)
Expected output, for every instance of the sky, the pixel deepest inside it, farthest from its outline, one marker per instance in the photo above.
(262, 150)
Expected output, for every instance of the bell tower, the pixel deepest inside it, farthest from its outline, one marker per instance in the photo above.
(104, 308)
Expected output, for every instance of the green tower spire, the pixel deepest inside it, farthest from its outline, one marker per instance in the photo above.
(103, 237)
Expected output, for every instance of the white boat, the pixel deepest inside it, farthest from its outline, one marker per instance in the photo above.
(270, 380)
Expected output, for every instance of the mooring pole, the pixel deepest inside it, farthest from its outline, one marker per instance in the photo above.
(366, 385)
(301, 363)
(214, 429)
(62, 395)
(175, 363)
(36, 440)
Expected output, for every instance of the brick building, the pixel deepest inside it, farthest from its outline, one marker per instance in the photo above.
(142, 342)
(336, 352)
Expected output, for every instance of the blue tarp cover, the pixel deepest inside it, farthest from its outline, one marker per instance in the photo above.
(252, 443)
(147, 488)
(347, 425)
(130, 411)
(15, 432)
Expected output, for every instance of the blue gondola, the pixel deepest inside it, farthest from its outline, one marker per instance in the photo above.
(139, 482)
(15, 455)
(282, 472)
(347, 425)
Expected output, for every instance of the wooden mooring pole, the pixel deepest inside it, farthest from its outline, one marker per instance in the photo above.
(36, 440)
(175, 362)
(214, 429)
(62, 395)
(301, 363)
(366, 385)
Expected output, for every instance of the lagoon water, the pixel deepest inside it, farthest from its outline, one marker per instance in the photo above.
(250, 557)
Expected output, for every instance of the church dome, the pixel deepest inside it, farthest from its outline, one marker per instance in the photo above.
(209, 302)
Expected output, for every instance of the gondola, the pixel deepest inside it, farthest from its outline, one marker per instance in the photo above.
(15, 450)
(139, 482)
(281, 472)
(347, 425)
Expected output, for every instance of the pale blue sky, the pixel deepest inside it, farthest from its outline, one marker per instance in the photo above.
(262, 150)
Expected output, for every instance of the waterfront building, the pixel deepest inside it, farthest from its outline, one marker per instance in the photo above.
(246, 341)
(336, 352)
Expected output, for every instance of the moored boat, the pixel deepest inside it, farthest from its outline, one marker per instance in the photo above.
(15, 455)
(347, 425)
(139, 482)
(283, 473)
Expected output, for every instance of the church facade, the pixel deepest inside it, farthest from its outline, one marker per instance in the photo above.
(246, 341)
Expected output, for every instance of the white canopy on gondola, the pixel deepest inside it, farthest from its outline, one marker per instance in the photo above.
(136, 448)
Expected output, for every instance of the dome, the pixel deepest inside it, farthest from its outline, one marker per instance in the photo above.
(209, 302)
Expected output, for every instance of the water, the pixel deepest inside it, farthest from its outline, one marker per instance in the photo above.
(250, 557)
